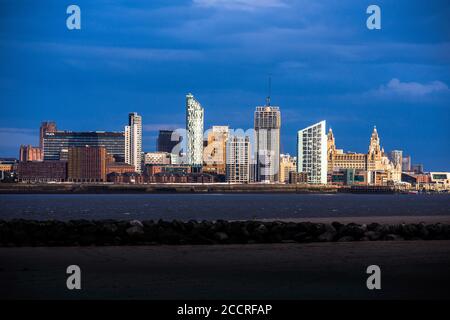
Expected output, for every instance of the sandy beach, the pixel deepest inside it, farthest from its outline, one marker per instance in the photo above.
(410, 270)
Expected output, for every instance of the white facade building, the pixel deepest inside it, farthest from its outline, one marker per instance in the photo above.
(312, 153)
(194, 131)
(133, 141)
(267, 143)
(238, 155)
(158, 158)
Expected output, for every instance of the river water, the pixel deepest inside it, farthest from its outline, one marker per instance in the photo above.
(218, 206)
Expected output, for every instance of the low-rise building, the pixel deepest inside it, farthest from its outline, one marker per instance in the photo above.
(42, 171)
(298, 177)
(119, 167)
(157, 158)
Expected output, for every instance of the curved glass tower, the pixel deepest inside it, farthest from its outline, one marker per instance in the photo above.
(194, 131)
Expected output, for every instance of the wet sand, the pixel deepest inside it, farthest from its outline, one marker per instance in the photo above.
(410, 270)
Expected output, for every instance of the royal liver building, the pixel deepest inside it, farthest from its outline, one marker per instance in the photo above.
(194, 131)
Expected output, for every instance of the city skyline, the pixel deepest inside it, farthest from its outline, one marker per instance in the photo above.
(206, 130)
(324, 62)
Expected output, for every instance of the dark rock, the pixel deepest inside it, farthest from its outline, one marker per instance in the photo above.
(392, 237)
(221, 236)
(135, 230)
(374, 226)
(372, 235)
(346, 239)
(353, 230)
(327, 236)
(337, 225)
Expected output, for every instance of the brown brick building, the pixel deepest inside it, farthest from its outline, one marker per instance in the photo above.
(42, 171)
(119, 167)
(87, 164)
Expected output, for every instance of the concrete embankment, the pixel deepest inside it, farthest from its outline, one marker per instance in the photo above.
(57, 188)
(113, 232)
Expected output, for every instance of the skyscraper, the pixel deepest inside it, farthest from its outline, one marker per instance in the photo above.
(214, 156)
(194, 131)
(46, 126)
(167, 140)
(267, 142)
(406, 164)
(396, 157)
(312, 153)
(238, 159)
(133, 141)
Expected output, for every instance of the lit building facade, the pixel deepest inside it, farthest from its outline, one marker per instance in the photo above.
(238, 155)
(30, 153)
(57, 144)
(312, 153)
(133, 141)
(46, 126)
(267, 143)
(194, 131)
(157, 158)
(287, 165)
(379, 169)
(214, 154)
(86, 164)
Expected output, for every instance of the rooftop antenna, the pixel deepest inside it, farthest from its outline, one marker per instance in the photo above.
(270, 90)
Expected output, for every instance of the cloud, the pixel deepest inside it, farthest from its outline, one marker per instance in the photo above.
(13, 137)
(247, 5)
(411, 89)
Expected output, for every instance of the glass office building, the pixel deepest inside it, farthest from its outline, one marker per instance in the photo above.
(57, 143)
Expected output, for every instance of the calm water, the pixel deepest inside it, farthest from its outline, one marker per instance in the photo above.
(218, 206)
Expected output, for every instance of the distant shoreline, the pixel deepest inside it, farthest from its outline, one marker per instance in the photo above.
(85, 188)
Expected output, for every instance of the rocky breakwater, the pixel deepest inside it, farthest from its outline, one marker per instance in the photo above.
(112, 232)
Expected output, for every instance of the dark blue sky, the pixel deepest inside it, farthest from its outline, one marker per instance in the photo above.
(144, 56)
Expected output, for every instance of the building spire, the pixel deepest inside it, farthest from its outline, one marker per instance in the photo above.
(270, 90)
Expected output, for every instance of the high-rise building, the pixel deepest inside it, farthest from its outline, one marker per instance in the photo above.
(56, 144)
(133, 141)
(312, 153)
(30, 153)
(167, 140)
(287, 165)
(214, 154)
(406, 164)
(46, 126)
(396, 157)
(86, 164)
(417, 168)
(238, 159)
(194, 131)
(267, 143)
